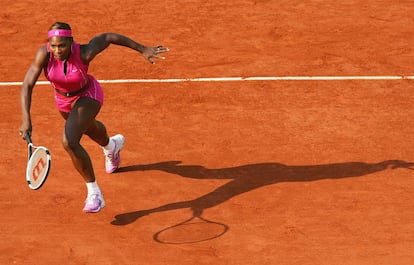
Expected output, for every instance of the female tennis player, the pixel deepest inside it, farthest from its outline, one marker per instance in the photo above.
(79, 98)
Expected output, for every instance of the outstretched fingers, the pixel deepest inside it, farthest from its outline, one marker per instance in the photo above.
(155, 52)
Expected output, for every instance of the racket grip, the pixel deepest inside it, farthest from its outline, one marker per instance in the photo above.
(28, 138)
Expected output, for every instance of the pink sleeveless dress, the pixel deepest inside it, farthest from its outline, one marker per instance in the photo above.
(76, 77)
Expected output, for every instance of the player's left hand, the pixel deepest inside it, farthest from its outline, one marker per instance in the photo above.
(154, 52)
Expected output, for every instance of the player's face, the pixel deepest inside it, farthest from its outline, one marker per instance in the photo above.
(61, 47)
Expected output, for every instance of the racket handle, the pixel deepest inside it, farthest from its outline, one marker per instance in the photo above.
(28, 138)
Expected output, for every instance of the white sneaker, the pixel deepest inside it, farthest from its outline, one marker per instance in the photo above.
(94, 203)
(113, 159)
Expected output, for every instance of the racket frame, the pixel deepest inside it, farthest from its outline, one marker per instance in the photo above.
(31, 154)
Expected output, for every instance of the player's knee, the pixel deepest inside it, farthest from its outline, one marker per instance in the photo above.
(69, 143)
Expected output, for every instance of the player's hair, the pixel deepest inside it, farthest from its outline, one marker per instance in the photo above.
(60, 25)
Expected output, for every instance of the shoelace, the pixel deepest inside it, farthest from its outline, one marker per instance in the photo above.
(109, 155)
(91, 198)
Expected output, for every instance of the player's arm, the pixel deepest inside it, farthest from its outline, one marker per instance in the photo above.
(29, 82)
(102, 41)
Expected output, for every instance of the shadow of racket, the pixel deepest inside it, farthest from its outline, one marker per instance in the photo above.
(194, 230)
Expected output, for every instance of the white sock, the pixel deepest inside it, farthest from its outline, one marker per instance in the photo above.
(93, 188)
(110, 146)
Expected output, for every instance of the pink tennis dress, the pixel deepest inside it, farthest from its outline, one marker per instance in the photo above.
(68, 79)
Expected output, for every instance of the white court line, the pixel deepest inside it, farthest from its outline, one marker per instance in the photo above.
(233, 79)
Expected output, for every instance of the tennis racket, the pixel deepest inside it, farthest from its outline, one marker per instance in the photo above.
(38, 165)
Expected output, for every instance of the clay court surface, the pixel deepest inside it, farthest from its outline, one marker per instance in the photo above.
(285, 172)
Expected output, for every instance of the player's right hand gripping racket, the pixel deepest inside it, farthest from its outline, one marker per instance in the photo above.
(38, 166)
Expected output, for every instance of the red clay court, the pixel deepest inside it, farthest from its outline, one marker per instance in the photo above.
(282, 172)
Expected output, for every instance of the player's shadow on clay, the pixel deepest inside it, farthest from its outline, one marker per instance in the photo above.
(249, 177)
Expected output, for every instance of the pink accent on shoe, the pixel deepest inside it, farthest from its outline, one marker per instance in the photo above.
(113, 159)
(94, 203)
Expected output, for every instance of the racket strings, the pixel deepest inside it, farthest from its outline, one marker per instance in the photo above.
(38, 167)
